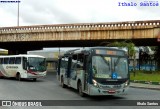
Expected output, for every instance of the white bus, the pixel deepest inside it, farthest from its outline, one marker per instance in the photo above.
(95, 71)
(23, 66)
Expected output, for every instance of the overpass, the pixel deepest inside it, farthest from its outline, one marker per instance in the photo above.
(24, 38)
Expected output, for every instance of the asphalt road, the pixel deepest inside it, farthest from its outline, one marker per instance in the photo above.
(48, 88)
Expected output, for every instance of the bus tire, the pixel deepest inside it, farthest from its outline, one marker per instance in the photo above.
(62, 82)
(1, 77)
(80, 89)
(34, 79)
(18, 76)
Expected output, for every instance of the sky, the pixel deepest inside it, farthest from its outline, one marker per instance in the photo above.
(43, 12)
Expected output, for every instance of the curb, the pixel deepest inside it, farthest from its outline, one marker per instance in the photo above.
(145, 86)
(141, 87)
(145, 82)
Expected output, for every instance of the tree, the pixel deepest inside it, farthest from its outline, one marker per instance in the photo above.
(131, 50)
(157, 57)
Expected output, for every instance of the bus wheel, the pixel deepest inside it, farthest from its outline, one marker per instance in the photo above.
(80, 89)
(62, 82)
(1, 77)
(18, 77)
(34, 79)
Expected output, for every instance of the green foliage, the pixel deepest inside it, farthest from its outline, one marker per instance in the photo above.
(153, 47)
(157, 56)
(146, 76)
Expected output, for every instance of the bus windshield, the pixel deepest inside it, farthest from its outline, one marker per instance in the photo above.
(104, 66)
(37, 64)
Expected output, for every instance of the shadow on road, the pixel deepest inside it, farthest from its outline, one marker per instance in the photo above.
(105, 98)
(22, 79)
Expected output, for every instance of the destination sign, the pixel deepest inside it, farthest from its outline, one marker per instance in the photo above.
(109, 52)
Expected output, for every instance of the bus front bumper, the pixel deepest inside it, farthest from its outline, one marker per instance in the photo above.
(94, 91)
(38, 75)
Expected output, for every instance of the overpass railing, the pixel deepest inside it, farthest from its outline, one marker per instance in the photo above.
(85, 26)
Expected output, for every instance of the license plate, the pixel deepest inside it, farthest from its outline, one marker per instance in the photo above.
(111, 91)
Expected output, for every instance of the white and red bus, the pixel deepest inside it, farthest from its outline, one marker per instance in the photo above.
(23, 66)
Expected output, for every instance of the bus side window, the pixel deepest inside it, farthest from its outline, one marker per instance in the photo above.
(24, 63)
(80, 60)
(1, 60)
(85, 62)
(6, 60)
(11, 60)
(18, 60)
(79, 65)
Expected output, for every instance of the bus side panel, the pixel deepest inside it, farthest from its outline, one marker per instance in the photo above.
(20, 70)
(63, 74)
(11, 70)
(80, 77)
(73, 79)
(3, 71)
(73, 83)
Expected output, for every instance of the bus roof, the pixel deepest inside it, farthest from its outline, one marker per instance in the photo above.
(22, 55)
(100, 47)
(87, 49)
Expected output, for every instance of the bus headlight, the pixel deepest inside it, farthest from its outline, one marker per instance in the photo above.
(126, 84)
(95, 83)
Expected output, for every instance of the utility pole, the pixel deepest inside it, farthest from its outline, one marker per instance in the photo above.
(18, 14)
(59, 51)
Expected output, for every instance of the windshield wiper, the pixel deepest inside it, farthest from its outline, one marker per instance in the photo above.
(116, 63)
(107, 62)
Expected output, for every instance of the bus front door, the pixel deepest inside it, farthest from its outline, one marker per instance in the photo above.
(86, 70)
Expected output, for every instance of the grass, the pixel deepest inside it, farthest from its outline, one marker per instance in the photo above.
(153, 76)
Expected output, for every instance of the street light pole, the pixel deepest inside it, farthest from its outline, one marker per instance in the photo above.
(59, 51)
(18, 15)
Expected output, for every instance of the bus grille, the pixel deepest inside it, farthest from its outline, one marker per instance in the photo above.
(111, 87)
(112, 82)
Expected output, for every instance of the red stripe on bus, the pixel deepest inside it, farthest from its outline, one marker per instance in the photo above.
(1, 74)
(29, 71)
